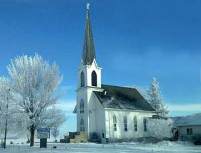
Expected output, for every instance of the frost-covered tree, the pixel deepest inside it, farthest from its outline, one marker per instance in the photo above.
(159, 128)
(59, 119)
(52, 118)
(155, 99)
(55, 133)
(35, 81)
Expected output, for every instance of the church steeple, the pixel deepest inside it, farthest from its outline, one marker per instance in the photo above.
(88, 49)
(89, 71)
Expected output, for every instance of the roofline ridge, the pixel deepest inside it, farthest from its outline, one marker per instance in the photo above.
(119, 86)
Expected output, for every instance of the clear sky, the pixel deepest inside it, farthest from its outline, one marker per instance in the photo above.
(135, 40)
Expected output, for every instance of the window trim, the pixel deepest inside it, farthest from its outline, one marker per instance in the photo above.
(82, 128)
(135, 123)
(145, 124)
(125, 119)
(189, 131)
(81, 106)
(114, 123)
(82, 79)
(94, 78)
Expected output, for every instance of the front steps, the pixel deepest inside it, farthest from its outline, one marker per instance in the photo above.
(80, 137)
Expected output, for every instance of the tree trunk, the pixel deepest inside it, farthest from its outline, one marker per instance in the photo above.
(32, 132)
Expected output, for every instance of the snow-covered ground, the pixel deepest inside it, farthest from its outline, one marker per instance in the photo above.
(162, 147)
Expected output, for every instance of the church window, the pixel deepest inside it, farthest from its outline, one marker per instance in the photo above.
(145, 124)
(81, 106)
(115, 123)
(82, 125)
(94, 78)
(135, 123)
(125, 124)
(82, 79)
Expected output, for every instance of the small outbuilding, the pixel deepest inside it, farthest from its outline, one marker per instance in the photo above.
(188, 128)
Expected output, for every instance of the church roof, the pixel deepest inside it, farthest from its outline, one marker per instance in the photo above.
(88, 49)
(122, 98)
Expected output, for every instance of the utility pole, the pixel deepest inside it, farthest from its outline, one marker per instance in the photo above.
(6, 118)
(6, 127)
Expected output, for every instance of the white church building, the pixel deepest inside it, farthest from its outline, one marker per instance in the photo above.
(107, 111)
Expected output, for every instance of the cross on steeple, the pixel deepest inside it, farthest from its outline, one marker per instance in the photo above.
(88, 5)
(88, 49)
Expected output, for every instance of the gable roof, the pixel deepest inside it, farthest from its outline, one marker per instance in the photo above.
(190, 120)
(122, 98)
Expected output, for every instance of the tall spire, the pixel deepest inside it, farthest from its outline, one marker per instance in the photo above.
(88, 49)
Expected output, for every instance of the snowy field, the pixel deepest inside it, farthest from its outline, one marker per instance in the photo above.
(162, 147)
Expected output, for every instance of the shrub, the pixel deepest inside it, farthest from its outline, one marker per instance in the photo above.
(2, 143)
(94, 137)
(196, 139)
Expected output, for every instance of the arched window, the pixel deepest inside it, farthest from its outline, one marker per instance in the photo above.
(145, 124)
(81, 106)
(94, 78)
(125, 124)
(115, 123)
(82, 79)
(135, 123)
(82, 125)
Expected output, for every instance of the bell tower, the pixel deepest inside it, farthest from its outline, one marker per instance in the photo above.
(89, 80)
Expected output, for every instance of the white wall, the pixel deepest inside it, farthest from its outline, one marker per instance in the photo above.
(183, 131)
(120, 133)
(97, 116)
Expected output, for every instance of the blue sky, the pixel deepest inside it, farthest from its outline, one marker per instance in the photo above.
(135, 40)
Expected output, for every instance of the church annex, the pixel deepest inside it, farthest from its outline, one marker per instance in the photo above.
(107, 111)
